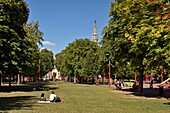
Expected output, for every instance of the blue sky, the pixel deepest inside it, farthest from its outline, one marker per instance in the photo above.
(64, 21)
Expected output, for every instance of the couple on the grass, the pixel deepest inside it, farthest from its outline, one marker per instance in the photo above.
(53, 97)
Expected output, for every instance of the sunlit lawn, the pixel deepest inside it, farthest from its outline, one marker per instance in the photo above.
(81, 99)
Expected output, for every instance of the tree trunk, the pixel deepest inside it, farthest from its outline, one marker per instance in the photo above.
(96, 80)
(140, 89)
(20, 78)
(161, 77)
(93, 80)
(18, 81)
(80, 80)
(10, 81)
(86, 80)
(74, 79)
(102, 79)
(23, 80)
(0, 80)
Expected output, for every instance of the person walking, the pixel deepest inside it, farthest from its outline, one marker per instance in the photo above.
(151, 84)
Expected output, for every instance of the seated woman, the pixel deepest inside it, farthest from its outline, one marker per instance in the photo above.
(42, 98)
(54, 98)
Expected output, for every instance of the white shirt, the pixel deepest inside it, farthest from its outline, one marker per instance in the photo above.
(52, 96)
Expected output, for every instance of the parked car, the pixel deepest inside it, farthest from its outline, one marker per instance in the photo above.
(129, 83)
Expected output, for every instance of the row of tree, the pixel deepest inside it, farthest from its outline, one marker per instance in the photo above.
(137, 37)
(20, 41)
(78, 59)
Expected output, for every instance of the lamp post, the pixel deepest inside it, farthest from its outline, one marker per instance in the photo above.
(39, 69)
(109, 73)
(38, 74)
(135, 75)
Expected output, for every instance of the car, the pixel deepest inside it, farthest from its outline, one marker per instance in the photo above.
(129, 83)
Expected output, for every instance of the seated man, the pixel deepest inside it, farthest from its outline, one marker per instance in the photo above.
(54, 98)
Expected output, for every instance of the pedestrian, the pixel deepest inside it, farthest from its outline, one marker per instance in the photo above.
(151, 84)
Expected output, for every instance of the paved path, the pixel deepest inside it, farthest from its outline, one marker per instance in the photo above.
(147, 91)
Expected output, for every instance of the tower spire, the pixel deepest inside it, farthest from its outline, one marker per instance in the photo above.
(95, 35)
(95, 29)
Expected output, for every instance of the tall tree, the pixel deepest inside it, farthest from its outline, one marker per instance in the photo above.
(30, 50)
(137, 34)
(79, 59)
(46, 61)
(14, 15)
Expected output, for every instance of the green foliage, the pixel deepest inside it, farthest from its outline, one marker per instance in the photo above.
(46, 61)
(18, 40)
(138, 34)
(78, 59)
(14, 15)
(30, 51)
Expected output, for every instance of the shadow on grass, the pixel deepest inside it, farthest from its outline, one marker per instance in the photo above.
(167, 103)
(26, 87)
(15, 103)
(150, 93)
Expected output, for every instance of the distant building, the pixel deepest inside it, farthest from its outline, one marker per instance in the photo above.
(95, 35)
(48, 76)
(56, 74)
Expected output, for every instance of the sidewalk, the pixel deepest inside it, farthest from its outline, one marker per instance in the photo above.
(147, 91)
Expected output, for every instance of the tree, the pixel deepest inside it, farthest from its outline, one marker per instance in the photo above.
(78, 59)
(29, 55)
(137, 34)
(46, 61)
(14, 15)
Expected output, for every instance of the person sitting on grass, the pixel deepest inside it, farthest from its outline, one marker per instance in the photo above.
(42, 98)
(54, 98)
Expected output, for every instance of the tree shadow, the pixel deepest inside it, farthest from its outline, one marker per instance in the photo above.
(16, 103)
(167, 103)
(150, 93)
(16, 88)
(26, 88)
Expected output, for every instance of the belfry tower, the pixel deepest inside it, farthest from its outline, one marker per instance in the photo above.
(95, 35)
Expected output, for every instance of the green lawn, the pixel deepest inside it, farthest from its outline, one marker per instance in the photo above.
(81, 99)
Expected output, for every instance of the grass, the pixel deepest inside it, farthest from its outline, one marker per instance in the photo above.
(79, 98)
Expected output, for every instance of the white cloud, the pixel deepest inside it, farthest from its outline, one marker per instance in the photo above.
(45, 48)
(48, 43)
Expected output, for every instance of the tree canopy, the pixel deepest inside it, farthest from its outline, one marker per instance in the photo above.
(18, 39)
(138, 34)
(14, 15)
(78, 59)
(46, 61)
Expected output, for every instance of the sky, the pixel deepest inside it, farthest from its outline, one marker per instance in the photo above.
(64, 21)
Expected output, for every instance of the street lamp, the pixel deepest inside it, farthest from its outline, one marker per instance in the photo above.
(109, 73)
(38, 74)
(39, 69)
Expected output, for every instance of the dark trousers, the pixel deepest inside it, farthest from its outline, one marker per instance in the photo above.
(57, 99)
